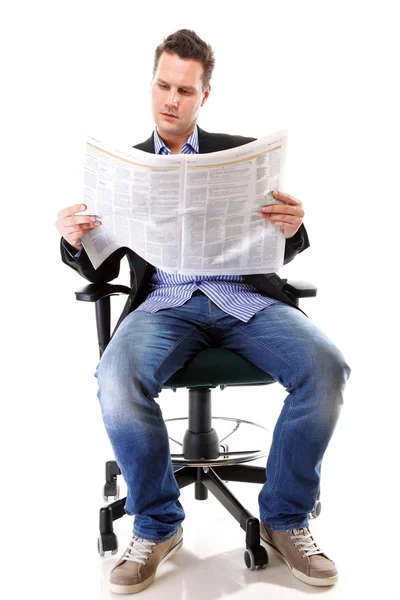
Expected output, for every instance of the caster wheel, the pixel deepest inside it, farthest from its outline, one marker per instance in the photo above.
(317, 510)
(249, 560)
(111, 489)
(107, 542)
(258, 560)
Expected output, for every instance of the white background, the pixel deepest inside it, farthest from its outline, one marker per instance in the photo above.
(327, 72)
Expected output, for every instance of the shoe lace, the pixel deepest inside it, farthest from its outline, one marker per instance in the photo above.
(305, 541)
(139, 550)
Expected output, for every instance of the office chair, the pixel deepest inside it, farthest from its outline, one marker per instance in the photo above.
(204, 460)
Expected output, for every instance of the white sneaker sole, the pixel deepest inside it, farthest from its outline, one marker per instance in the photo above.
(318, 581)
(138, 587)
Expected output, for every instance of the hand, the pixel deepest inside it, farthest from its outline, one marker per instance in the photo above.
(73, 228)
(288, 216)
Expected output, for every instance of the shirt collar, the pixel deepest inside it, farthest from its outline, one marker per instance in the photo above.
(192, 141)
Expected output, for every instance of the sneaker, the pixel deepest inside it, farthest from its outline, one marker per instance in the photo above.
(302, 555)
(136, 569)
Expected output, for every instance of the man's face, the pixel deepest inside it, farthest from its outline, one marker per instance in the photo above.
(177, 89)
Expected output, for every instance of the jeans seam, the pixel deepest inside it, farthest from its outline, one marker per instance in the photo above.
(278, 466)
(210, 313)
(168, 353)
(268, 348)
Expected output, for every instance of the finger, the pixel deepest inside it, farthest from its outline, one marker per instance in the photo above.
(78, 219)
(71, 210)
(75, 237)
(82, 227)
(281, 209)
(285, 219)
(286, 198)
(279, 223)
(78, 229)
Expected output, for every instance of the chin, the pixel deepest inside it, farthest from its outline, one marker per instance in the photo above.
(170, 128)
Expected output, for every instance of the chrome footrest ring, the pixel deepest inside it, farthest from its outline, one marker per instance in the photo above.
(224, 458)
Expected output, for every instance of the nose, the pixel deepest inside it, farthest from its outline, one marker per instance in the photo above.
(172, 98)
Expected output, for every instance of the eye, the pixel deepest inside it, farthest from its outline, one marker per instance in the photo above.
(185, 92)
(162, 85)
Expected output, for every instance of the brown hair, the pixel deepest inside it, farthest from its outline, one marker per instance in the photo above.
(186, 44)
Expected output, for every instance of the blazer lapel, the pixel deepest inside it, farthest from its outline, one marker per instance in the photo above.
(147, 146)
(205, 141)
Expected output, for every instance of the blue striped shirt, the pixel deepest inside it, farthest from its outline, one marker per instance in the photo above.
(229, 292)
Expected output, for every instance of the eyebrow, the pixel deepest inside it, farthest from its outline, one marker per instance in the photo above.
(186, 87)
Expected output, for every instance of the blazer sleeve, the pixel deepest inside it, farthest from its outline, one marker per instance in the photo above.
(296, 244)
(107, 271)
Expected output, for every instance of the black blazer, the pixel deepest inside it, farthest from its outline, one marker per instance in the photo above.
(141, 271)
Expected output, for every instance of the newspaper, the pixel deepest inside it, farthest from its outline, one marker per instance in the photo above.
(193, 214)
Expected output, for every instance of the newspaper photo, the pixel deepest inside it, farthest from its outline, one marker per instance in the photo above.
(192, 214)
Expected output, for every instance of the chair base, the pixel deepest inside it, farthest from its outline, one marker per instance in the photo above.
(207, 479)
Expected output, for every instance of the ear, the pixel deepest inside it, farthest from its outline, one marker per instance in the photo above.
(206, 94)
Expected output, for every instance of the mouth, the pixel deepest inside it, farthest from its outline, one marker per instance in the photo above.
(168, 116)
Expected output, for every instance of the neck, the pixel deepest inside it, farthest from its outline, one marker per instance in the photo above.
(175, 142)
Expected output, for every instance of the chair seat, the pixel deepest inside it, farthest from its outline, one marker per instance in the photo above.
(218, 366)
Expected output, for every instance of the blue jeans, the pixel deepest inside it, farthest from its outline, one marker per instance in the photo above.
(148, 348)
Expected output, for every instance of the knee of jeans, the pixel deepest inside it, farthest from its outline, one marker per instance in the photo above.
(329, 363)
(116, 362)
(121, 373)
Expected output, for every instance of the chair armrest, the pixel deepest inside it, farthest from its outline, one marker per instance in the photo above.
(100, 294)
(300, 289)
(96, 291)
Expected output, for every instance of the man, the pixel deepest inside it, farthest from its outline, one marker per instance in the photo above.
(168, 319)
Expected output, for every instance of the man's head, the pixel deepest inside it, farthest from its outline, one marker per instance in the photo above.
(183, 65)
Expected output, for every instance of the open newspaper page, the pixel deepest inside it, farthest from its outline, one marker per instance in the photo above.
(222, 231)
(136, 196)
(189, 214)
